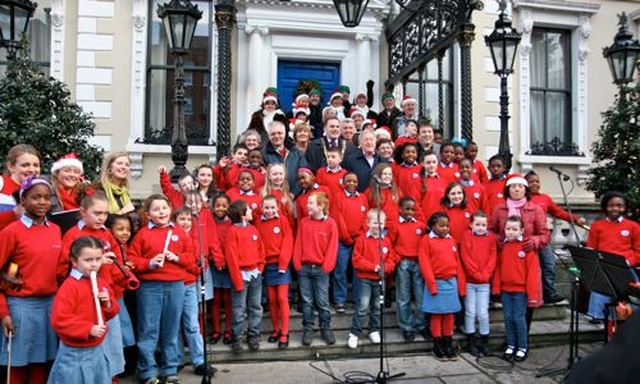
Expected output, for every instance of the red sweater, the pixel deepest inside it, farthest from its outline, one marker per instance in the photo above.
(480, 171)
(438, 257)
(478, 254)
(175, 197)
(316, 243)
(366, 257)
(476, 197)
(388, 204)
(449, 173)
(459, 221)
(253, 199)
(109, 272)
(7, 202)
(331, 179)
(149, 241)
(243, 251)
(495, 193)
(74, 312)
(227, 178)
(535, 224)
(518, 271)
(258, 177)
(618, 237)
(403, 140)
(406, 236)
(277, 238)
(350, 213)
(545, 202)
(407, 178)
(303, 198)
(430, 202)
(36, 251)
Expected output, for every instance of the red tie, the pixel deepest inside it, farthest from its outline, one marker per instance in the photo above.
(282, 152)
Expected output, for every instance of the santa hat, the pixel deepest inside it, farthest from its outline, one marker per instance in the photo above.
(301, 109)
(361, 93)
(388, 96)
(68, 160)
(408, 99)
(383, 131)
(270, 97)
(333, 96)
(371, 122)
(300, 97)
(355, 111)
(516, 178)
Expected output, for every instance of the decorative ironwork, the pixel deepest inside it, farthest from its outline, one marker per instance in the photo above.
(440, 91)
(225, 20)
(555, 147)
(466, 115)
(163, 137)
(421, 100)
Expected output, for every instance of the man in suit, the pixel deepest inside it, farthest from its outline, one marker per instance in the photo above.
(315, 154)
(362, 162)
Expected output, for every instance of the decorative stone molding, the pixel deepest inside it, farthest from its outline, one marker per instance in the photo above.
(138, 66)
(136, 164)
(373, 37)
(57, 39)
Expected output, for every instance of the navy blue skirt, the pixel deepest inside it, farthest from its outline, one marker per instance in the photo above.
(221, 278)
(273, 277)
(445, 301)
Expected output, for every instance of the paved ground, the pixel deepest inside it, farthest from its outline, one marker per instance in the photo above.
(418, 369)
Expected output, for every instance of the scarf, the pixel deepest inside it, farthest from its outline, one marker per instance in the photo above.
(267, 117)
(67, 199)
(118, 196)
(515, 205)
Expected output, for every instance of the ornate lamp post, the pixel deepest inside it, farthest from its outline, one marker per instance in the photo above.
(351, 11)
(14, 20)
(179, 18)
(502, 43)
(623, 54)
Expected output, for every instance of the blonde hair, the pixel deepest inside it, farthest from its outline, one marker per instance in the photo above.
(105, 175)
(268, 187)
(302, 127)
(374, 212)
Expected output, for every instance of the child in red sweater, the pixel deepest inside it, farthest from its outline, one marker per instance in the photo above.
(478, 254)
(407, 170)
(432, 184)
(257, 168)
(447, 168)
(186, 183)
(331, 175)
(244, 254)
(244, 191)
(495, 185)
(228, 169)
(307, 182)
(474, 190)
(373, 252)
(314, 257)
(454, 204)
(444, 283)
(517, 280)
(479, 170)
(277, 238)
(276, 184)
(161, 253)
(221, 279)
(406, 236)
(81, 356)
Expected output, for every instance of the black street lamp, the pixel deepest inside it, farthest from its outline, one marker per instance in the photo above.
(179, 18)
(351, 11)
(502, 43)
(14, 20)
(623, 54)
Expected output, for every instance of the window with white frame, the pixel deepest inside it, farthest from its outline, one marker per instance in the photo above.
(39, 34)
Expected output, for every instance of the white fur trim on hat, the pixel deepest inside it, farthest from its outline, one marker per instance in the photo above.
(517, 180)
(334, 95)
(67, 162)
(408, 99)
(360, 94)
(270, 98)
(301, 96)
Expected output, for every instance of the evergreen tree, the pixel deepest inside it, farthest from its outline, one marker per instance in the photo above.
(36, 109)
(616, 150)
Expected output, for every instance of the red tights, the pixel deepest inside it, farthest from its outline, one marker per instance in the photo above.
(221, 295)
(278, 297)
(35, 373)
(442, 324)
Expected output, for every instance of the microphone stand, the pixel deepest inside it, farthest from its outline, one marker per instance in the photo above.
(575, 285)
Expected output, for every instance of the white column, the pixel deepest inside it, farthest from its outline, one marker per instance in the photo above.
(57, 39)
(364, 60)
(255, 79)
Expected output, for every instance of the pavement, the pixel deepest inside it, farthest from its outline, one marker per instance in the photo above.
(418, 368)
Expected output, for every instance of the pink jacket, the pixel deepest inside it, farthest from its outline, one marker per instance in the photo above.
(535, 224)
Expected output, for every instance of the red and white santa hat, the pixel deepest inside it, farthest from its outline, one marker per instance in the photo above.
(356, 111)
(408, 99)
(333, 96)
(301, 109)
(361, 93)
(383, 131)
(68, 160)
(300, 97)
(270, 97)
(516, 178)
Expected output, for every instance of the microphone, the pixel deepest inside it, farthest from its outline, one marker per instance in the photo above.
(558, 172)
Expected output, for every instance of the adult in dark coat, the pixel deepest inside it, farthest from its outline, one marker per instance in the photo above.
(364, 160)
(277, 151)
(409, 107)
(315, 118)
(390, 113)
(316, 151)
(268, 112)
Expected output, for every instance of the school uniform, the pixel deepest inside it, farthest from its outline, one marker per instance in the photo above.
(331, 178)
(303, 198)
(30, 307)
(227, 177)
(175, 197)
(82, 358)
(258, 178)
(430, 202)
(407, 178)
(160, 297)
(7, 203)
(252, 199)
(277, 239)
(495, 193)
(480, 171)
(221, 277)
(448, 172)
(459, 220)
(388, 204)
(476, 196)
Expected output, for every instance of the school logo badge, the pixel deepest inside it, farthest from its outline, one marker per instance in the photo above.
(175, 238)
(467, 215)
(522, 254)
(254, 206)
(476, 195)
(454, 248)
(363, 208)
(500, 195)
(385, 250)
(254, 237)
(419, 232)
(625, 233)
(415, 175)
(276, 230)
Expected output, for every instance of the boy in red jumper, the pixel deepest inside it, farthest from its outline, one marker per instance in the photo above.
(406, 236)
(478, 254)
(81, 357)
(494, 187)
(433, 185)
(185, 184)
(331, 176)
(349, 208)
(257, 169)
(307, 182)
(517, 279)
(370, 249)
(474, 190)
(244, 191)
(244, 255)
(447, 168)
(314, 257)
(479, 170)
(278, 246)
(228, 170)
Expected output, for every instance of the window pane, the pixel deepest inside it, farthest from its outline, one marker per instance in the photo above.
(558, 60)
(537, 117)
(556, 105)
(39, 39)
(538, 59)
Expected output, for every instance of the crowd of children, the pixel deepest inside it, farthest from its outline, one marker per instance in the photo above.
(422, 225)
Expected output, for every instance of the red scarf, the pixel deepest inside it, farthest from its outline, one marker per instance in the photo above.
(68, 200)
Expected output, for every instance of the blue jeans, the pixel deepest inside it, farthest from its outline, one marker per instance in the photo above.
(159, 307)
(247, 302)
(314, 289)
(476, 304)
(548, 271)
(514, 306)
(340, 274)
(409, 282)
(369, 298)
(191, 327)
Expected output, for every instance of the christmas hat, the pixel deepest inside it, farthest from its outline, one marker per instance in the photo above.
(300, 97)
(301, 109)
(355, 111)
(315, 92)
(408, 99)
(333, 96)
(270, 97)
(68, 160)
(272, 90)
(343, 89)
(361, 93)
(383, 131)
(371, 122)
(516, 178)
(387, 96)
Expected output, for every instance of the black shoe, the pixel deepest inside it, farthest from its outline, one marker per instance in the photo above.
(425, 333)
(254, 342)
(520, 355)
(327, 335)
(472, 348)
(484, 345)
(236, 347)
(273, 337)
(283, 342)
(508, 353)
(408, 336)
(215, 338)
(226, 340)
(553, 299)
(205, 370)
(437, 349)
(341, 308)
(307, 337)
(448, 348)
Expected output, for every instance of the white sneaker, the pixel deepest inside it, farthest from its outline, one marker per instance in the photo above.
(352, 341)
(375, 337)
